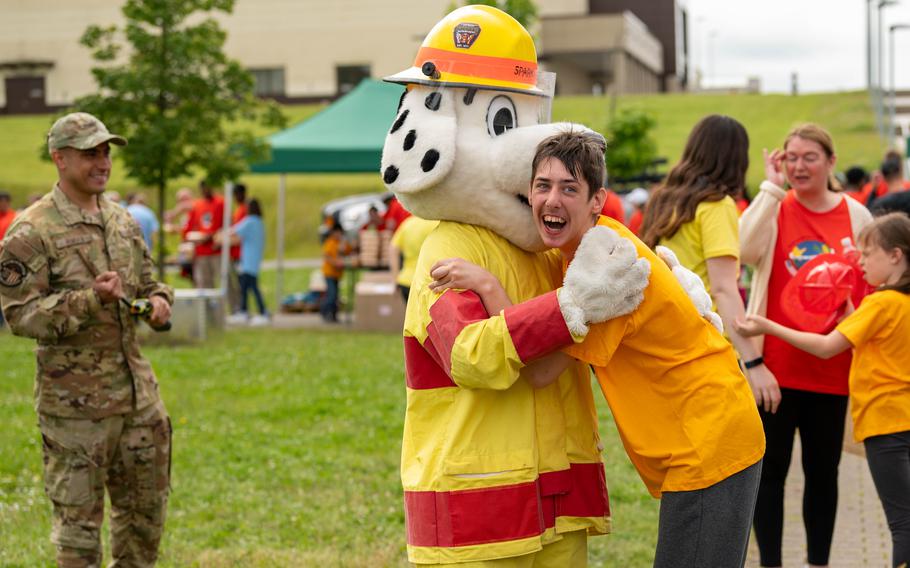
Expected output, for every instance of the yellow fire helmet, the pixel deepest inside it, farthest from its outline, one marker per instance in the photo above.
(476, 46)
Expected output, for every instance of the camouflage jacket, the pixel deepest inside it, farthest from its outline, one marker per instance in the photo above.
(89, 364)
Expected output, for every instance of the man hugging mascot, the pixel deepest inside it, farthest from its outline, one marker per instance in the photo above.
(494, 471)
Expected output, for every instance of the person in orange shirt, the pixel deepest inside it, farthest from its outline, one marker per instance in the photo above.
(880, 372)
(637, 198)
(332, 270)
(240, 211)
(395, 214)
(683, 408)
(613, 207)
(205, 218)
(7, 213)
(887, 180)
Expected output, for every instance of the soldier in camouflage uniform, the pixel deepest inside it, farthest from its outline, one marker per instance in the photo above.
(65, 264)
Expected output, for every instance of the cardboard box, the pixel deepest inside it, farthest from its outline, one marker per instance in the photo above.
(374, 248)
(378, 306)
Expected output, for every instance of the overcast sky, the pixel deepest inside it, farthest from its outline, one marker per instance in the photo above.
(823, 41)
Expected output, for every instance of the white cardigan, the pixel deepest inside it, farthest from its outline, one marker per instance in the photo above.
(758, 236)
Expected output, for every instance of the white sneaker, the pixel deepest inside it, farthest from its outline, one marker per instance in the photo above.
(259, 320)
(237, 319)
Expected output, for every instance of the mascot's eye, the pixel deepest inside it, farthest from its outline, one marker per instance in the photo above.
(501, 115)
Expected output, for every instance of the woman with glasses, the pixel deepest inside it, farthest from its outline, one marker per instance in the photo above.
(799, 214)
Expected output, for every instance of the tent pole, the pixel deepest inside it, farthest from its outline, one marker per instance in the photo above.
(279, 241)
(226, 247)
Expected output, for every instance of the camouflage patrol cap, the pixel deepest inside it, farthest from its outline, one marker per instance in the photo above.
(80, 130)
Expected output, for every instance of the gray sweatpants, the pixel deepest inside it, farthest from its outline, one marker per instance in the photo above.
(708, 528)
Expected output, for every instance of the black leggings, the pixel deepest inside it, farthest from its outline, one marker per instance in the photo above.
(250, 283)
(820, 421)
(889, 462)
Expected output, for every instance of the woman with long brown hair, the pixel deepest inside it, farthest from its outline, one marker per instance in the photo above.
(694, 214)
(781, 232)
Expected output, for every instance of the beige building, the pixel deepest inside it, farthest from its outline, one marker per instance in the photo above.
(312, 49)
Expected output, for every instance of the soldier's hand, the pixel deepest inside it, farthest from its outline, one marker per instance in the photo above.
(108, 287)
(161, 311)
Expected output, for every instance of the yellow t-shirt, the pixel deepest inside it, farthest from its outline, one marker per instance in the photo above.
(713, 233)
(880, 371)
(408, 238)
(684, 410)
(331, 248)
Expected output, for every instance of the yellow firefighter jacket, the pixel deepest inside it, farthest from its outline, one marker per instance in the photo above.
(491, 467)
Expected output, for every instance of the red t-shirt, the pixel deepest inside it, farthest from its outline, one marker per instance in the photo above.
(613, 208)
(880, 190)
(206, 216)
(6, 219)
(742, 205)
(239, 213)
(395, 214)
(802, 235)
(635, 221)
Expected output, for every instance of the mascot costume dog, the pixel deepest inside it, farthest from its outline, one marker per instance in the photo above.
(491, 467)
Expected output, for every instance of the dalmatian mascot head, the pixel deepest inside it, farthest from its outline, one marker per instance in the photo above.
(468, 125)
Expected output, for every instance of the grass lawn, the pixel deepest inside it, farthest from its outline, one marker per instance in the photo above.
(286, 453)
(767, 118)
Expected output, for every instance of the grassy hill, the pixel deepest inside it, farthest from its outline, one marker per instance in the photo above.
(767, 117)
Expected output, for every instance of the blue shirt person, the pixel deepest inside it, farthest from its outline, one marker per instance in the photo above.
(250, 231)
(148, 221)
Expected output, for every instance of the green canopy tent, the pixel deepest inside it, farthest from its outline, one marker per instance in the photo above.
(346, 136)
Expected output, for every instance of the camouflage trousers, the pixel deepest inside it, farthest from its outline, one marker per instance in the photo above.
(130, 455)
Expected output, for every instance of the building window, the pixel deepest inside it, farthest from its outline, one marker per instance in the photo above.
(349, 76)
(269, 82)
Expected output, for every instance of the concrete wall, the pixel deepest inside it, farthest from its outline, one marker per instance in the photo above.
(665, 20)
(308, 39)
(48, 30)
(616, 50)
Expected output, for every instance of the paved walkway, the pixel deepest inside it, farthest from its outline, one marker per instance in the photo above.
(861, 536)
(305, 321)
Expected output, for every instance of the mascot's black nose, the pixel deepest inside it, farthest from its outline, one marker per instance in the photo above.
(390, 175)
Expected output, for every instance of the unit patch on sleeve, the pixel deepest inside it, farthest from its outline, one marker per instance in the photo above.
(12, 273)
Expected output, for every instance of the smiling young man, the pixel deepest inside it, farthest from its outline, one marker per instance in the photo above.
(65, 266)
(683, 409)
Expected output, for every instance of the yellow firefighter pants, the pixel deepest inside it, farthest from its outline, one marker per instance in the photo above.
(571, 551)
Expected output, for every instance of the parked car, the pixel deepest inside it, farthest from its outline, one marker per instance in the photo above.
(353, 212)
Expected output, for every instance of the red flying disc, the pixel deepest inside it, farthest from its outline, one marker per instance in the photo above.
(815, 297)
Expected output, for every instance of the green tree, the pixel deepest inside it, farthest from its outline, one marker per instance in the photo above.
(525, 11)
(180, 101)
(631, 147)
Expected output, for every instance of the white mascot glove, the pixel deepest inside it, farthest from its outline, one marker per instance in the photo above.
(606, 279)
(693, 286)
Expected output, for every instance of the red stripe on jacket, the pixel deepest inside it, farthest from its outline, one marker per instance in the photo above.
(505, 513)
(537, 326)
(450, 314)
(421, 369)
